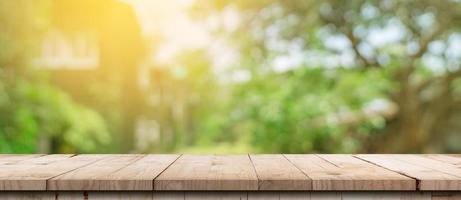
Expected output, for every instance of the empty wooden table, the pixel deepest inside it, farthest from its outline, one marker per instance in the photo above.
(275, 176)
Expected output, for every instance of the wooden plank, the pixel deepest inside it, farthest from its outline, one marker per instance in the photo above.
(370, 196)
(429, 179)
(375, 177)
(419, 160)
(454, 160)
(215, 196)
(120, 195)
(446, 195)
(12, 158)
(27, 196)
(263, 195)
(70, 195)
(45, 160)
(295, 195)
(449, 159)
(275, 172)
(208, 172)
(93, 176)
(260, 195)
(344, 172)
(241, 172)
(30, 174)
(168, 195)
(325, 196)
(140, 174)
(416, 196)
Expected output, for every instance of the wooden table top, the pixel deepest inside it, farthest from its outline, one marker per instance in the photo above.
(276, 172)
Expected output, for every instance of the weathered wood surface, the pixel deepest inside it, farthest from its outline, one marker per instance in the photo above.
(345, 172)
(233, 195)
(255, 173)
(32, 173)
(432, 175)
(275, 172)
(11, 158)
(201, 172)
(116, 172)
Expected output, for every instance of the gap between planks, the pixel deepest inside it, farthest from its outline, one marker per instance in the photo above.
(398, 172)
(433, 175)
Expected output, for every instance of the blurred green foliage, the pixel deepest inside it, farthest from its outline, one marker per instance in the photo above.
(286, 112)
(393, 96)
(32, 110)
(318, 76)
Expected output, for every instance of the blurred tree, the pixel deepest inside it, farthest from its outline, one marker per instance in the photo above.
(35, 116)
(184, 97)
(404, 58)
(112, 87)
(311, 76)
(427, 100)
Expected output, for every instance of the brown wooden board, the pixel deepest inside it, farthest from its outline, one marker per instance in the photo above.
(209, 172)
(275, 172)
(188, 173)
(13, 158)
(454, 160)
(429, 177)
(32, 173)
(93, 176)
(344, 172)
(230, 195)
(139, 175)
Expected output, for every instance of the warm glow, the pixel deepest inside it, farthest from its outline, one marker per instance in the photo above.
(230, 76)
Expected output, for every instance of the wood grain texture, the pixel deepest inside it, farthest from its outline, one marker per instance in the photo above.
(30, 174)
(429, 179)
(263, 195)
(208, 172)
(451, 159)
(325, 196)
(431, 172)
(416, 196)
(370, 196)
(227, 195)
(275, 172)
(27, 196)
(344, 172)
(93, 176)
(140, 174)
(178, 195)
(216, 196)
(70, 195)
(45, 159)
(446, 195)
(7, 159)
(295, 195)
(120, 196)
(423, 161)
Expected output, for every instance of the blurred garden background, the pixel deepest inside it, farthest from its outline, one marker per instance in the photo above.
(230, 76)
